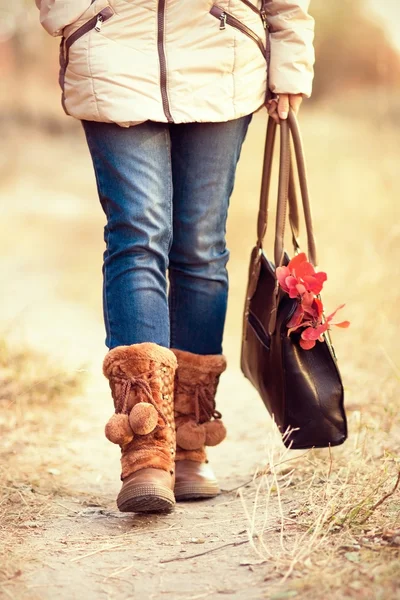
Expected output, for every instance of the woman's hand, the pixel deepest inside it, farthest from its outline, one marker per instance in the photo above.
(279, 108)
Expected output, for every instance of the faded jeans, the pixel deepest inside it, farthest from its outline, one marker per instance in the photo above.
(165, 191)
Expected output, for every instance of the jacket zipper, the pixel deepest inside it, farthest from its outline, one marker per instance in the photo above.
(95, 22)
(162, 59)
(226, 18)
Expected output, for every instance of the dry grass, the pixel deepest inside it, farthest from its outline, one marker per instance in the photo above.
(339, 513)
(31, 391)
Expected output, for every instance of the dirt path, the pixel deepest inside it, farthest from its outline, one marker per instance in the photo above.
(89, 550)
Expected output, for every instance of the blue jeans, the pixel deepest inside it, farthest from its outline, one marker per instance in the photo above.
(165, 190)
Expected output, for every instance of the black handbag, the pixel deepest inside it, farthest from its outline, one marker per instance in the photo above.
(302, 389)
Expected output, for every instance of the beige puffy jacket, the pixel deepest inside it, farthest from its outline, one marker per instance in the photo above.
(127, 61)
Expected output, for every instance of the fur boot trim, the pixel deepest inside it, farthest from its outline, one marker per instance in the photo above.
(128, 360)
(141, 379)
(205, 363)
(195, 455)
(198, 423)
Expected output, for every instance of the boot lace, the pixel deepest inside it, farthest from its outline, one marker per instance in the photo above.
(140, 383)
(204, 401)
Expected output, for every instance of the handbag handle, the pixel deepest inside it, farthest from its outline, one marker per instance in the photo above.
(289, 130)
(262, 220)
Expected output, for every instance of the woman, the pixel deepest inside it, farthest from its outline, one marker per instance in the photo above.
(165, 90)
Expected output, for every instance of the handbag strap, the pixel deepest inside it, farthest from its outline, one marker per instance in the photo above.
(268, 155)
(289, 130)
(305, 195)
(262, 220)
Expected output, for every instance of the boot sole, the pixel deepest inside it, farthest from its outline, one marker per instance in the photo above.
(142, 498)
(194, 491)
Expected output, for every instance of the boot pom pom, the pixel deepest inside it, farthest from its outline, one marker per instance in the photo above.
(143, 418)
(190, 436)
(118, 430)
(215, 432)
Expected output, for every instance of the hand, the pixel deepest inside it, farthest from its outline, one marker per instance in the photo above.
(279, 108)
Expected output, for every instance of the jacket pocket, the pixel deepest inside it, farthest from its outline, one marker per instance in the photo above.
(226, 18)
(94, 23)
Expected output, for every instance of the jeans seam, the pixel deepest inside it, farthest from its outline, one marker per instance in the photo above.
(170, 192)
(106, 310)
(172, 315)
(106, 254)
(170, 237)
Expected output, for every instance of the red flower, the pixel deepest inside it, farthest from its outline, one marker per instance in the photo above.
(300, 276)
(309, 312)
(316, 329)
(299, 280)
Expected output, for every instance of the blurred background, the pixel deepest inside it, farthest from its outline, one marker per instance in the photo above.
(51, 230)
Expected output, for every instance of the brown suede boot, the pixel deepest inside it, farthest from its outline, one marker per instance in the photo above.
(198, 423)
(141, 379)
